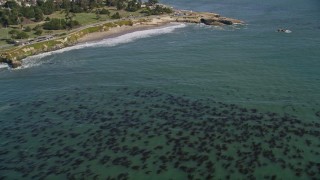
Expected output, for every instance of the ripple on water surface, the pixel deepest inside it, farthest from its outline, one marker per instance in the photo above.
(146, 133)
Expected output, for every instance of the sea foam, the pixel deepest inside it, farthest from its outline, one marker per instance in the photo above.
(109, 42)
(3, 66)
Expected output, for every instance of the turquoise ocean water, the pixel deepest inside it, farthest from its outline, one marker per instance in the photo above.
(177, 102)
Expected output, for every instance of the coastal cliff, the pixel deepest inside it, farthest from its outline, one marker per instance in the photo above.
(14, 56)
(205, 18)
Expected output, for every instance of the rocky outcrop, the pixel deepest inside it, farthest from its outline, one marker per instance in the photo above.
(15, 64)
(13, 56)
(205, 18)
(11, 63)
(216, 21)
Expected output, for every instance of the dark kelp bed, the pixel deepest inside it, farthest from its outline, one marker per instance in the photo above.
(148, 134)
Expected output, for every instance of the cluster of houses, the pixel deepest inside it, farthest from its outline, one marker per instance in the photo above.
(27, 3)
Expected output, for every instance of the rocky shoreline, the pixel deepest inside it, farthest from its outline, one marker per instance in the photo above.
(14, 56)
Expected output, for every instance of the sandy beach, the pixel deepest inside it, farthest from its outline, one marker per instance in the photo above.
(121, 30)
(118, 27)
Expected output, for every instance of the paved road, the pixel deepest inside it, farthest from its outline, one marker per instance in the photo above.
(79, 29)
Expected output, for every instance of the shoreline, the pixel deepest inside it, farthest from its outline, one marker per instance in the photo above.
(109, 29)
(116, 32)
(137, 25)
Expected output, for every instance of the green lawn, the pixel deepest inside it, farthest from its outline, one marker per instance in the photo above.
(86, 18)
(82, 18)
(4, 33)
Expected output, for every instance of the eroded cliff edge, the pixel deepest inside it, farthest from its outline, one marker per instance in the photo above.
(14, 56)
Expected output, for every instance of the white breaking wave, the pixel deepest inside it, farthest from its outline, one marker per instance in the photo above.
(3, 66)
(109, 42)
(287, 31)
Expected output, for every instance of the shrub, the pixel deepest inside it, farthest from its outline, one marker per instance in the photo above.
(160, 10)
(116, 16)
(76, 9)
(72, 24)
(133, 6)
(124, 23)
(38, 32)
(55, 24)
(146, 12)
(93, 29)
(120, 5)
(20, 35)
(10, 41)
(27, 29)
(152, 2)
(37, 27)
(104, 11)
(13, 31)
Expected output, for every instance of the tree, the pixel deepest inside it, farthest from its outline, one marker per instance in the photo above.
(152, 2)
(11, 5)
(73, 23)
(160, 10)
(54, 24)
(105, 11)
(20, 20)
(111, 3)
(133, 6)
(4, 18)
(27, 29)
(76, 9)
(40, 3)
(37, 27)
(13, 17)
(66, 4)
(121, 5)
(98, 14)
(13, 31)
(48, 7)
(69, 18)
(38, 32)
(38, 14)
(69, 15)
(84, 4)
(116, 16)
(28, 12)
(147, 11)
(93, 4)
(20, 35)
(57, 5)
(100, 3)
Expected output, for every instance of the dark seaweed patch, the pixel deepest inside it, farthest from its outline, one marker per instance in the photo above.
(129, 132)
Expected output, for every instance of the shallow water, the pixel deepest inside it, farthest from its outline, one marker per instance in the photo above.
(184, 102)
(144, 133)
